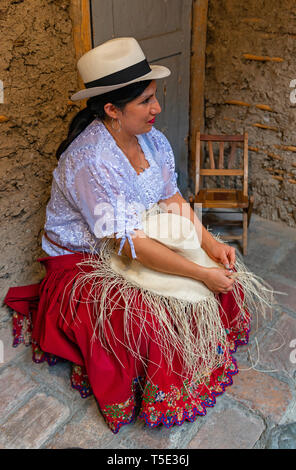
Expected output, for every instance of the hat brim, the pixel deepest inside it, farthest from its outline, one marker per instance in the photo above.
(158, 71)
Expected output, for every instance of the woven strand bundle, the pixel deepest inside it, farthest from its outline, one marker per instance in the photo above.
(191, 330)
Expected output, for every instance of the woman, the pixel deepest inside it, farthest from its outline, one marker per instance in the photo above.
(112, 301)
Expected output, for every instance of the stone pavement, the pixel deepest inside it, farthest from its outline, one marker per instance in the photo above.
(39, 409)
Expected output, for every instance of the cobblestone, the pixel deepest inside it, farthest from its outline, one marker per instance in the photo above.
(9, 353)
(88, 431)
(275, 349)
(228, 429)
(287, 287)
(257, 404)
(33, 423)
(143, 437)
(261, 392)
(282, 437)
(14, 386)
(286, 267)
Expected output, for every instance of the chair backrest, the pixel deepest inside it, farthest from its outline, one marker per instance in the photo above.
(234, 140)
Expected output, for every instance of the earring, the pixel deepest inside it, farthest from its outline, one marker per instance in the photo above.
(118, 129)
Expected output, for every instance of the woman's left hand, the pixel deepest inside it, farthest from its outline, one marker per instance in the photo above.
(222, 253)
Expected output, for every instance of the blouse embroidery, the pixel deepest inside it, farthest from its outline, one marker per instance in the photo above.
(96, 193)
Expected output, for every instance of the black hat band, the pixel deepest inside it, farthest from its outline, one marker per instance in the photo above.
(122, 76)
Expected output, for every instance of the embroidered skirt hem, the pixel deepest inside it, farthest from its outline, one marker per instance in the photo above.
(124, 387)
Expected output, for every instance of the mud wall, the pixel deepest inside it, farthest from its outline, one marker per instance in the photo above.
(250, 63)
(38, 71)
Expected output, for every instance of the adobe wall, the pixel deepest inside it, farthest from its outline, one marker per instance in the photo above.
(250, 62)
(37, 67)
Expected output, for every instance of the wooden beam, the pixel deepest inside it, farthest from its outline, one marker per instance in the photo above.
(219, 172)
(222, 138)
(197, 78)
(81, 30)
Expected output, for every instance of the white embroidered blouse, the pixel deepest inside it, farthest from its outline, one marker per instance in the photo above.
(97, 193)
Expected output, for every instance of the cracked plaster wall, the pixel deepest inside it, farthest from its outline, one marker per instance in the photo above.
(38, 70)
(250, 62)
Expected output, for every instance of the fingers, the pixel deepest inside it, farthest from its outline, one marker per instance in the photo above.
(228, 274)
(226, 291)
(234, 275)
(223, 291)
(230, 283)
(225, 260)
(220, 281)
(229, 258)
(232, 257)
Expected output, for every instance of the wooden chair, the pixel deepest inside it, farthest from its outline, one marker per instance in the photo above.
(217, 198)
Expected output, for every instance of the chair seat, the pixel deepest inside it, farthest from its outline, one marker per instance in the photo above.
(222, 198)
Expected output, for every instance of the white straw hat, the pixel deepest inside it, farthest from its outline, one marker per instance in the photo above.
(115, 64)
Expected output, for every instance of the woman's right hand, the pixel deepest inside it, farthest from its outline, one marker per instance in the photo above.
(218, 280)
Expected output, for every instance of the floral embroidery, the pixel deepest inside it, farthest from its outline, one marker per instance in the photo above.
(160, 396)
(177, 404)
(150, 391)
(180, 403)
(39, 356)
(123, 413)
(21, 329)
(219, 350)
(153, 414)
(167, 407)
(79, 381)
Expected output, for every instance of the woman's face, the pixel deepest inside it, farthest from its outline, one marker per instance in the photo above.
(138, 116)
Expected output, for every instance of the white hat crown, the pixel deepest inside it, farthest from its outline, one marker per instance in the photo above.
(108, 58)
(115, 64)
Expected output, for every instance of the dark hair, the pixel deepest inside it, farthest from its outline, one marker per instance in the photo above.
(95, 109)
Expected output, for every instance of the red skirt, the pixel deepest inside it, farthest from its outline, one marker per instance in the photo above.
(123, 386)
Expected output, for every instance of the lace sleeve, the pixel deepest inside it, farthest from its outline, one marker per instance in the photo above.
(167, 162)
(103, 202)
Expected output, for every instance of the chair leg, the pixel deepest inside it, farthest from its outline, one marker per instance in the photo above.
(245, 233)
(250, 208)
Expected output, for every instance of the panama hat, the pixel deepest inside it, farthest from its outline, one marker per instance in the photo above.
(115, 64)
